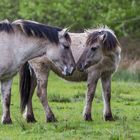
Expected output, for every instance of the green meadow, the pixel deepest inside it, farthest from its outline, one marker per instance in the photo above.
(67, 102)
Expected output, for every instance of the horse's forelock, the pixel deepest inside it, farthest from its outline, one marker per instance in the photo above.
(110, 41)
(92, 38)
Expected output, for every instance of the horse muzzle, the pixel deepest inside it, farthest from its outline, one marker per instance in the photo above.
(81, 66)
(68, 71)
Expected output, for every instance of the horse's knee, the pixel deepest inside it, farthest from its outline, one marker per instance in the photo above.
(41, 94)
(90, 97)
(38, 92)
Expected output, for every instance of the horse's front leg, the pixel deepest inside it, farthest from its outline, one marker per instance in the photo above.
(91, 85)
(106, 85)
(6, 100)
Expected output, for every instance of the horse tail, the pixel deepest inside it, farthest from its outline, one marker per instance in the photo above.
(25, 75)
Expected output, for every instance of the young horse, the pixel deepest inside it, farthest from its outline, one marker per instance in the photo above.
(23, 40)
(100, 55)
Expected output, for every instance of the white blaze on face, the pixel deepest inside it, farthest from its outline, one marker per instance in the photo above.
(64, 72)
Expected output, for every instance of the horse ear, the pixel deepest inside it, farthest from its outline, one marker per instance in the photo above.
(63, 32)
(103, 37)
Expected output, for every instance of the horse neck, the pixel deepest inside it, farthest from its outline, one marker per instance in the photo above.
(112, 54)
(110, 61)
(26, 48)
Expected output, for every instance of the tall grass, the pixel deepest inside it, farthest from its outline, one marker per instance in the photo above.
(126, 76)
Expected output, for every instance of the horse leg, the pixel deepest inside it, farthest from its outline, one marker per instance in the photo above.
(42, 81)
(28, 114)
(6, 100)
(91, 85)
(106, 86)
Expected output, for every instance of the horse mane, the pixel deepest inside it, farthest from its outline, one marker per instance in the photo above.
(6, 26)
(111, 40)
(34, 29)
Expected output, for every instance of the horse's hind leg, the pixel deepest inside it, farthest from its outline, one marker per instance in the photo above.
(91, 84)
(42, 81)
(106, 85)
(28, 114)
(6, 100)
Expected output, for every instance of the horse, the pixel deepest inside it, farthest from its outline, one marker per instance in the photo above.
(22, 40)
(97, 54)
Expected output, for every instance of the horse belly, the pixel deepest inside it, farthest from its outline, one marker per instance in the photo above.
(7, 69)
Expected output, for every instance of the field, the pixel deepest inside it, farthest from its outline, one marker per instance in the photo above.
(67, 102)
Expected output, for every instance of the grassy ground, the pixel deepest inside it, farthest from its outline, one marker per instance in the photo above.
(67, 102)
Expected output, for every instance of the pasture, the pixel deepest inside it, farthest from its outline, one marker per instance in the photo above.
(67, 102)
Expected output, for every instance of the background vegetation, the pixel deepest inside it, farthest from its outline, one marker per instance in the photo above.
(123, 16)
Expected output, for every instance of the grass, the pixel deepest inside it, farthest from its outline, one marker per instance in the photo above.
(67, 102)
(127, 76)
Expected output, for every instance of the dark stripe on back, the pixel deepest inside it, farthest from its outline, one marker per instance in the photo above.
(42, 31)
(39, 30)
(34, 29)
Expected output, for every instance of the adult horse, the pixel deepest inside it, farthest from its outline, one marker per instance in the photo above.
(100, 55)
(23, 40)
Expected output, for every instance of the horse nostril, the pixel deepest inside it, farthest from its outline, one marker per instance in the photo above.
(86, 65)
(80, 67)
(68, 70)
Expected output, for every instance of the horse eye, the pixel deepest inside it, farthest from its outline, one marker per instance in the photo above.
(93, 49)
(66, 46)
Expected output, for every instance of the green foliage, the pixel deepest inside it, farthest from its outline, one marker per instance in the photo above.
(33, 10)
(126, 76)
(9, 9)
(123, 16)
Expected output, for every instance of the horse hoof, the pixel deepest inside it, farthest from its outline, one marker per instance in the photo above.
(108, 117)
(87, 117)
(7, 121)
(30, 119)
(51, 119)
